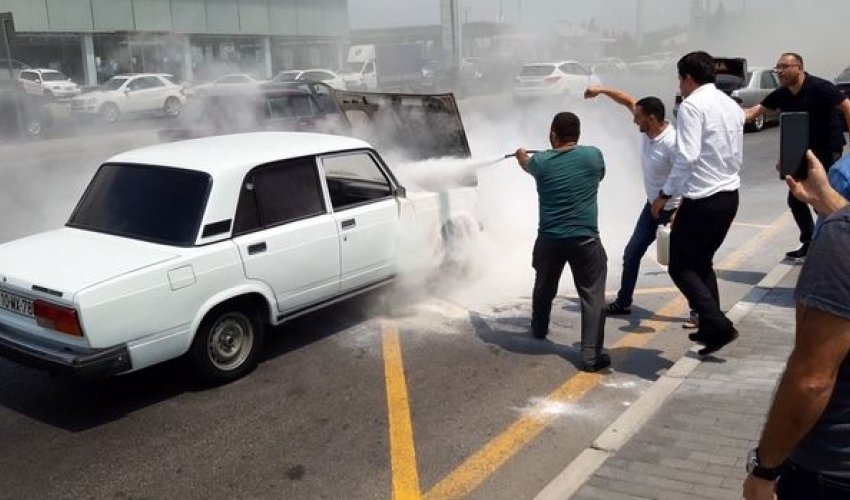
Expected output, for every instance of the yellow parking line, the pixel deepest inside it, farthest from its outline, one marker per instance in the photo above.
(405, 474)
(477, 468)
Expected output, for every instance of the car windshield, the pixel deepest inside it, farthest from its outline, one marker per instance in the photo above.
(537, 70)
(53, 77)
(287, 76)
(145, 202)
(113, 84)
(844, 76)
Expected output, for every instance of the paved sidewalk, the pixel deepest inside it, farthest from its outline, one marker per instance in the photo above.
(695, 446)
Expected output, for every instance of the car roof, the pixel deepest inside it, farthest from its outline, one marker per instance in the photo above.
(238, 152)
(552, 63)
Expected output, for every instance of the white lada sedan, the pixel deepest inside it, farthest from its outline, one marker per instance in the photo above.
(194, 248)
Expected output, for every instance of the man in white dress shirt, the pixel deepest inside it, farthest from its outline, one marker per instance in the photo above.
(709, 154)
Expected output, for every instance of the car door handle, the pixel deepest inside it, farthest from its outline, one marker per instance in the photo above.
(257, 248)
(348, 224)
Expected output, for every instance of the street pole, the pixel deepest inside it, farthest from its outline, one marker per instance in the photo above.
(18, 109)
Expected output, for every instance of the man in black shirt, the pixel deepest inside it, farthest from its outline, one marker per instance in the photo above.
(822, 100)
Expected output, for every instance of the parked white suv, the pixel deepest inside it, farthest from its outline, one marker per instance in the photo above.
(558, 79)
(131, 94)
(195, 247)
(47, 82)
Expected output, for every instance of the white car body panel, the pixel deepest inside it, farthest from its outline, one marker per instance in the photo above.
(149, 100)
(556, 83)
(150, 298)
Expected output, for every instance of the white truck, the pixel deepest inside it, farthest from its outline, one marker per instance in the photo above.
(385, 67)
(194, 248)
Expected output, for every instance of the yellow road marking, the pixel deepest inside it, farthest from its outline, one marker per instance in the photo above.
(405, 473)
(481, 465)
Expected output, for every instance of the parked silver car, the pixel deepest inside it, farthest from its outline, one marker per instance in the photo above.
(760, 82)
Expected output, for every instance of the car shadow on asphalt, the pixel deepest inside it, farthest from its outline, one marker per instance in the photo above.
(645, 363)
(78, 405)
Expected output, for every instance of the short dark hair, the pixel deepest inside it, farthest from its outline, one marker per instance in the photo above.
(652, 106)
(566, 126)
(795, 55)
(699, 65)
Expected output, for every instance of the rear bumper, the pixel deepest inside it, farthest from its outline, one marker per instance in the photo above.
(96, 363)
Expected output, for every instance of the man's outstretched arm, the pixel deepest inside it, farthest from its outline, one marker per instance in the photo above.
(619, 96)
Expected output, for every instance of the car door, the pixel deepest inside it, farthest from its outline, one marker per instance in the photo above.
(286, 235)
(367, 214)
(31, 82)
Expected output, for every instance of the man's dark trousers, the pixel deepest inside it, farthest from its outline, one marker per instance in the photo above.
(801, 212)
(797, 483)
(701, 226)
(589, 265)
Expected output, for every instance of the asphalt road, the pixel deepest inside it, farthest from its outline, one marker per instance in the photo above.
(436, 392)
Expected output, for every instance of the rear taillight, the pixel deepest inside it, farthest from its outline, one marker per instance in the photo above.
(552, 79)
(59, 318)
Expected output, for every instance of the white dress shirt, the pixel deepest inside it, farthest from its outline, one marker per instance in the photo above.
(656, 158)
(710, 145)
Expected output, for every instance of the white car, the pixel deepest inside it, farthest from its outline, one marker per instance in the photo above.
(558, 79)
(195, 247)
(131, 94)
(47, 82)
(325, 76)
(236, 81)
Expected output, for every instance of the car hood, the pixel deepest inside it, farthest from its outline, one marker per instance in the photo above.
(69, 260)
(100, 94)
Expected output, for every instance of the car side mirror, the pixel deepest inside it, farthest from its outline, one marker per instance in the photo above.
(401, 192)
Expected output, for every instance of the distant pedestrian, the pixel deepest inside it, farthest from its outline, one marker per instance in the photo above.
(709, 154)
(567, 178)
(801, 91)
(657, 151)
(806, 439)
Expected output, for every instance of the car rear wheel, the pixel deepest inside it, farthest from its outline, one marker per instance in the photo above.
(110, 112)
(757, 124)
(227, 344)
(172, 107)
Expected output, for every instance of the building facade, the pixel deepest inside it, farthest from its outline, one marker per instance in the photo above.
(91, 40)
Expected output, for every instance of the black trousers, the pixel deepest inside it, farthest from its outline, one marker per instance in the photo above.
(797, 483)
(589, 265)
(801, 212)
(699, 230)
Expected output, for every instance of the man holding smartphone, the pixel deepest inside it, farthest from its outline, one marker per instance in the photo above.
(802, 92)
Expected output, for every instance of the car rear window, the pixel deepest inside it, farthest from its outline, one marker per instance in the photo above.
(145, 202)
(537, 70)
(53, 77)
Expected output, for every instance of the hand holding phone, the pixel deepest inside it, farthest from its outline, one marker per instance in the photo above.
(793, 143)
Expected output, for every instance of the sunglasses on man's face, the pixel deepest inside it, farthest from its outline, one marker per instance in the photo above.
(780, 67)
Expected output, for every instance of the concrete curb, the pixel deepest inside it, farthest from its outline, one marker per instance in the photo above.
(573, 477)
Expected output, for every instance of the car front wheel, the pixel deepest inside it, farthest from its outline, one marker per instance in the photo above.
(110, 112)
(757, 124)
(172, 107)
(226, 345)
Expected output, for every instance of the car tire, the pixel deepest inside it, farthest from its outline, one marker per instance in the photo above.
(33, 126)
(172, 107)
(757, 125)
(110, 112)
(227, 344)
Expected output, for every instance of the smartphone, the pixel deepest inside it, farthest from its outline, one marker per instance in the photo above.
(793, 143)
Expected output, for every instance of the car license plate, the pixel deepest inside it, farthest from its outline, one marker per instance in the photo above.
(16, 304)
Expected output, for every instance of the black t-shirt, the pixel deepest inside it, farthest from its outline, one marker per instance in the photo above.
(820, 99)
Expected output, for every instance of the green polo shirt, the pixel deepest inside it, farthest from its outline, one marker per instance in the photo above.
(567, 188)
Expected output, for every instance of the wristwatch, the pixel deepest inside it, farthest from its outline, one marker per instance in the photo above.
(755, 467)
(663, 195)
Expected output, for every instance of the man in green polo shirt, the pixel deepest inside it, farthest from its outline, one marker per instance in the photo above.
(568, 177)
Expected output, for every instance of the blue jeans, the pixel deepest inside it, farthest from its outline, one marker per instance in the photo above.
(642, 236)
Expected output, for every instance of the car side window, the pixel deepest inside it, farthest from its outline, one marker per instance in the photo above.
(768, 80)
(354, 179)
(370, 68)
(285, 192)
(137, 84)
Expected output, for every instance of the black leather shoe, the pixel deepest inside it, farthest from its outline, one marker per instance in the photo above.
(617, 309)
(799, 253)
(715, 344)
(540, 334)
(601, 362)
